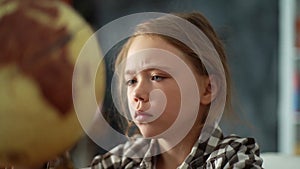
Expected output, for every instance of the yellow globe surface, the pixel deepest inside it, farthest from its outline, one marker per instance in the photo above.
(40, 42)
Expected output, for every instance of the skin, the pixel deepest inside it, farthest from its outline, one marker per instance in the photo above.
(140, 83)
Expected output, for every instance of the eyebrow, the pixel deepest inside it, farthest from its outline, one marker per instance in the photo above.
(161, 68)
(130, 72)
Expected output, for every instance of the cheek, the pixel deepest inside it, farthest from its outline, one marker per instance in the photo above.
(128, 94)
(173, 101)
(129, 98)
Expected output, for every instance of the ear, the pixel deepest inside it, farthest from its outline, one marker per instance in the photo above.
(209, 88)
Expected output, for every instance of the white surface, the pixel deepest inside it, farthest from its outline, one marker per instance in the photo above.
(280, 161)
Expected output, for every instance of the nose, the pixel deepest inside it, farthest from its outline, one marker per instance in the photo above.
(140, 92)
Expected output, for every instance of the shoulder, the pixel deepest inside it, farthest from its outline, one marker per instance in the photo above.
(235, 152)
(122, 156)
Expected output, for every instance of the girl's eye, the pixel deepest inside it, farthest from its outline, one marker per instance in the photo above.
(130, 82)
(157, 78)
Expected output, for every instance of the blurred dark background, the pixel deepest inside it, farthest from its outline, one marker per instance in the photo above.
(249, 31)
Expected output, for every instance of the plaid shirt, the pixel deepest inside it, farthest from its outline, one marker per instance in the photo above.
(216, 153)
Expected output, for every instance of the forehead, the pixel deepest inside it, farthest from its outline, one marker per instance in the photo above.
(143, 42)
(153, 58)
(153, 52)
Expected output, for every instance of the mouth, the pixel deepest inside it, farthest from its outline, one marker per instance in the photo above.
(143, 117)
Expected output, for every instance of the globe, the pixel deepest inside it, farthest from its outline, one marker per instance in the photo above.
(40, 43)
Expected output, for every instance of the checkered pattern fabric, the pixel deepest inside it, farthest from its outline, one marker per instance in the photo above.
(218, 152)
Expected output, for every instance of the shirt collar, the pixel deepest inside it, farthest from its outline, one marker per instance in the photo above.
(149, 159)
(198, 155)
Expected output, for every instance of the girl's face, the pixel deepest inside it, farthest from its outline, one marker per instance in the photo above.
(153, 94)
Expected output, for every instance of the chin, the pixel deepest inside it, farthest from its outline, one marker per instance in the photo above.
(148, 131)
(149, 135)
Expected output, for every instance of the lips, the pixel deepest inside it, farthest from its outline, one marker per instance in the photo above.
(143, 117)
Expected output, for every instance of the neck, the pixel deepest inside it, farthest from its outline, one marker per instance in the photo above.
(175, 156)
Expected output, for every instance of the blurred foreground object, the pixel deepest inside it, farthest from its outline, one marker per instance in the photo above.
(62, 162)
(40, 42)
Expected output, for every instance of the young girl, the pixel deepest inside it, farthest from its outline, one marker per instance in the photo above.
(174, 85)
